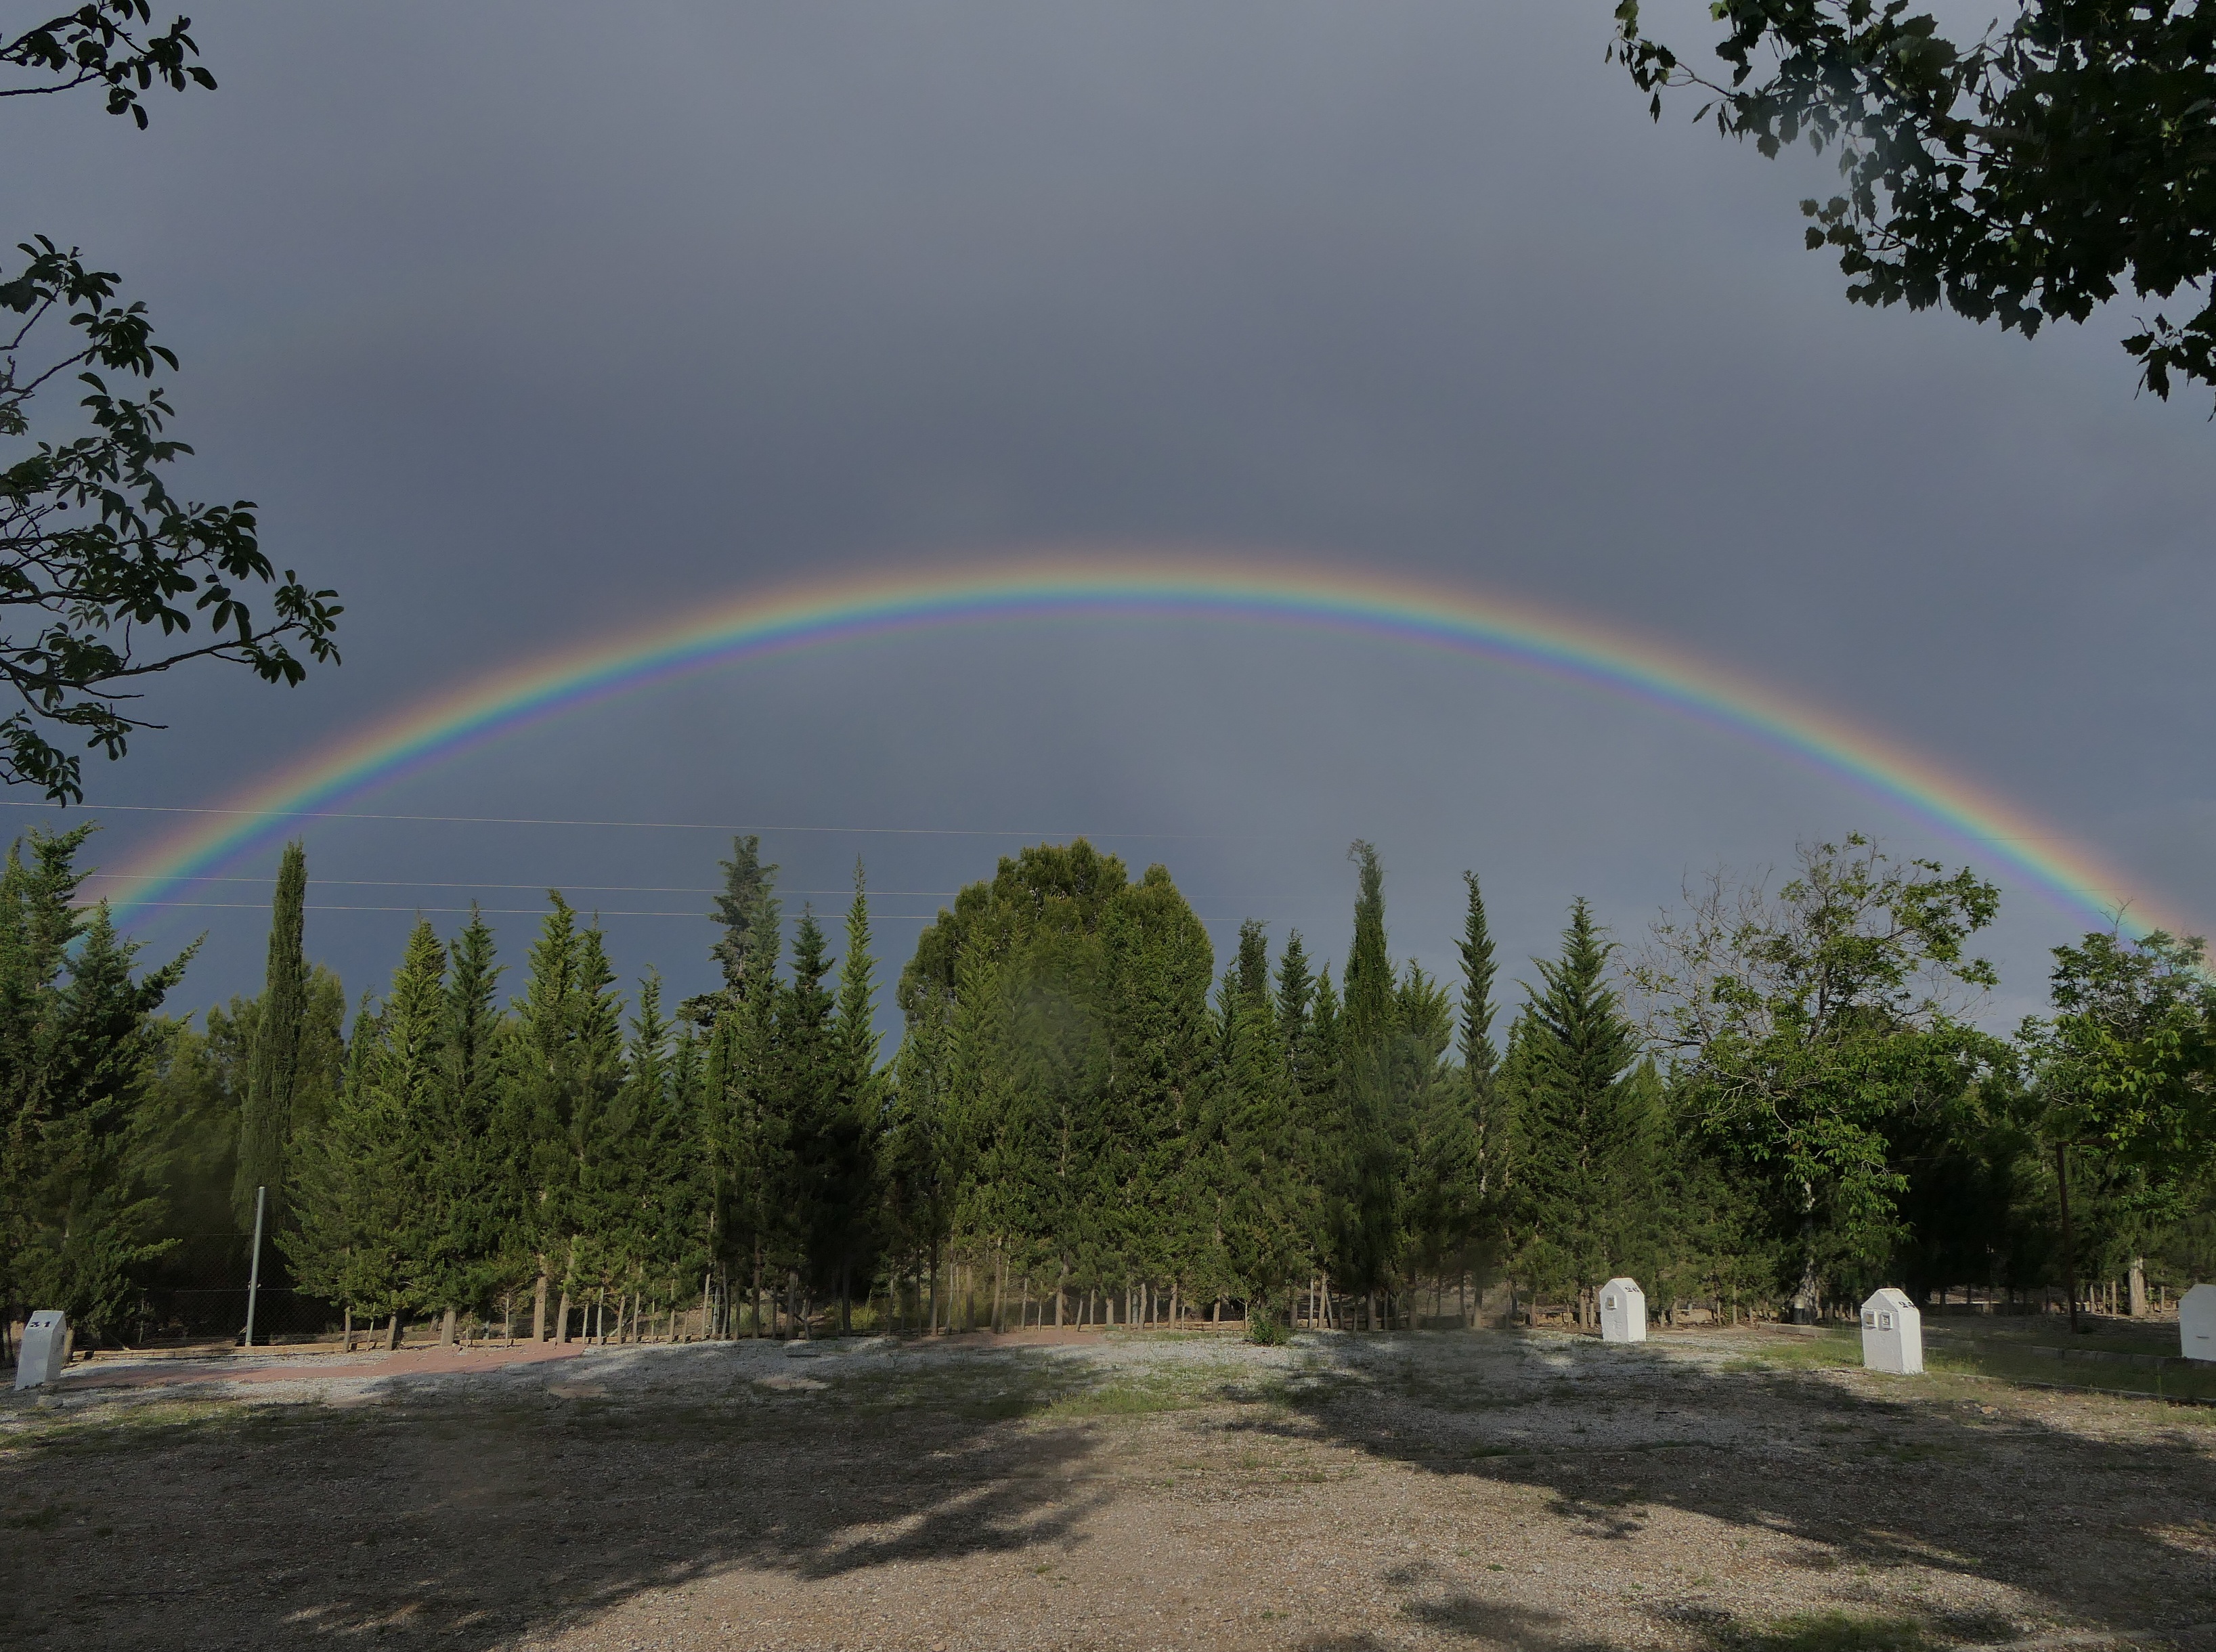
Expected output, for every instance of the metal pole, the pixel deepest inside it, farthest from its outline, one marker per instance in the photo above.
(2068, 1240)
(253, 1273)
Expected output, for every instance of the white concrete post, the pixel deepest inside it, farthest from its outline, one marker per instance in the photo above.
(1893, 1333)
(1622, 1311)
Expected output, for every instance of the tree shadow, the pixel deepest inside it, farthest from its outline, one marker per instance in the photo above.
(480, 1511)
(475, 1513)
(2107, 1532)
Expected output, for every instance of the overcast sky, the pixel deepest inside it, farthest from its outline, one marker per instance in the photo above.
(524, 323)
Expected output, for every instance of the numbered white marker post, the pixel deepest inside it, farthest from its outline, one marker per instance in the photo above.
(2196, 1322)
(1893, 1333)
(1622, 1311)
(41, 1356)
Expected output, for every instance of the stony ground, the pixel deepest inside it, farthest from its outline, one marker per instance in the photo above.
(1539, 1492)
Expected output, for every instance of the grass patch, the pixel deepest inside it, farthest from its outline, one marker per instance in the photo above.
(2002, 1362)
(1121, 1399)
(1829, 1346)
(1829, 1631)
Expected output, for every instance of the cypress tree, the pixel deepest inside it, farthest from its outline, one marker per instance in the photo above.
(808, 1097)
(1366, 1240)
(273, 1064)
(1367, 980)
(858, 1114)
(1480, 1059)
(1296, 989)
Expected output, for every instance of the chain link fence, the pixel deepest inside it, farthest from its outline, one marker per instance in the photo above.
(197, 1292)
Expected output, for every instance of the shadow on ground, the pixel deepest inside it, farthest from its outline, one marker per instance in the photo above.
(476, 1516)
(2115, 1537)
(475, 1513)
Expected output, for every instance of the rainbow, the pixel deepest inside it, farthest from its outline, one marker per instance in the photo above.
(1101, 584)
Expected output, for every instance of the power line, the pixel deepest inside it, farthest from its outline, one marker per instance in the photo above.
(490, 911)
(650, 825)
(2072, 838)
(552, 882)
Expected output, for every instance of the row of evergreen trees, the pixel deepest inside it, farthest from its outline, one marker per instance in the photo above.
(1082, 1118)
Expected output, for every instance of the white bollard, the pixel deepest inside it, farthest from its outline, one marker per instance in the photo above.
(1893, 1333)
(44, 1348)
(2196, 1322)
(1622, 1311)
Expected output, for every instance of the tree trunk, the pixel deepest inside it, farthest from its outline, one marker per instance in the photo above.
(562, 1318)
(539, 1308)
(447, 1330)
(392, 1332)
(1000, 1287)
(347, 1323)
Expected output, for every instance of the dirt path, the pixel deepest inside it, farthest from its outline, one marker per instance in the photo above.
(1542, 1493)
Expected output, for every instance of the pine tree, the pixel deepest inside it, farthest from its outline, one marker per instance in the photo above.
(750, 1141)
(1433, 1105)
(538, 1087)
(466, 1220)
(595, 1140)
(1259, 1203)
(411, 1088)
(1582, 1135)
(749, 914)
(265, 1129)
(366, 1226)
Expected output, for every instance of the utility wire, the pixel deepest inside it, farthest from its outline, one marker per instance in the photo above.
(552, 882)
(654, 825)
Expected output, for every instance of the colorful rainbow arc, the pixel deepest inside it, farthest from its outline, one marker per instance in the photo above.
(1098, 584)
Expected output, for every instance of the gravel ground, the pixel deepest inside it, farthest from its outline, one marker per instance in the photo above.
(1540, 1492)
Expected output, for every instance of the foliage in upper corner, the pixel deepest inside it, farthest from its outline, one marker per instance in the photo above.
(102, 569)
(2028, 174)
(106, 43)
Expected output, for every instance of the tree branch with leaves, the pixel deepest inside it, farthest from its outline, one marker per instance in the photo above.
(2032, 174)
(104, 572)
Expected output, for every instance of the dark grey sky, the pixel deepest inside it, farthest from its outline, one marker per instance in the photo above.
(524, 321)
